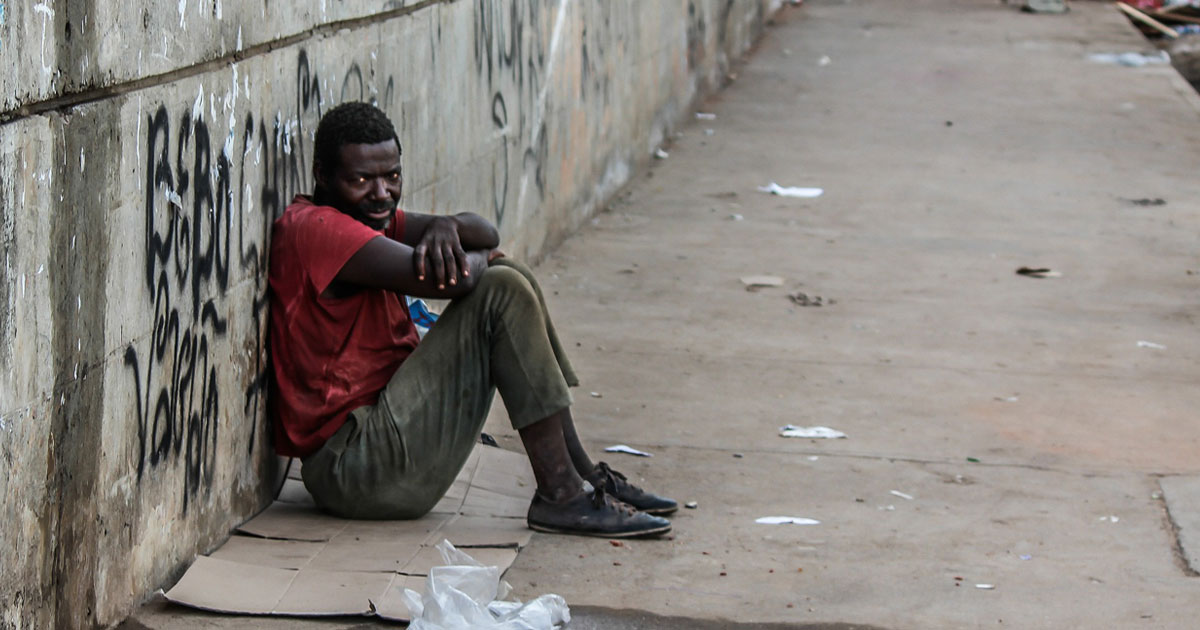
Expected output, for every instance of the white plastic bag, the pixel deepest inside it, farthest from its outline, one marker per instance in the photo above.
(465, 595)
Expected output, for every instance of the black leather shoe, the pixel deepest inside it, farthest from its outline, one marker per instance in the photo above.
(617, 485)
(593, 513)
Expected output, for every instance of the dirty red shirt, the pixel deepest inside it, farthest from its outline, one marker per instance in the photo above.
(328, 355)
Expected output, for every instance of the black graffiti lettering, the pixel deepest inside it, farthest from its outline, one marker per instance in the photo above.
(500, 167)
(194, 213)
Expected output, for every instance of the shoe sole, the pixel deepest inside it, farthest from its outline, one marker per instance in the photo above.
(661, 511)
(550, 529)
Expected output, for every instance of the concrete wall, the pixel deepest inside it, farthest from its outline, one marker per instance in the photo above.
(144, 153)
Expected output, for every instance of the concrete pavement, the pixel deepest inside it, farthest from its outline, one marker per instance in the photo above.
(956, 140)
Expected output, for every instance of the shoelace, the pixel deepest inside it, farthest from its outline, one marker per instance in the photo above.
(600, 497)
(613, 479)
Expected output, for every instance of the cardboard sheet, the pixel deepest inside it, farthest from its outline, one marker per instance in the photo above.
(294, 560)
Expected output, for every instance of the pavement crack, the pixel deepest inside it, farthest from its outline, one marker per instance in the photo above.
(1172, 528)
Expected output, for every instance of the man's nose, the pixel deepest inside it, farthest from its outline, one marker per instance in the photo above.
(379, 188)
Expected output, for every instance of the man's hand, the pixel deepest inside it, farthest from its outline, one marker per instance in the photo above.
(440, 252)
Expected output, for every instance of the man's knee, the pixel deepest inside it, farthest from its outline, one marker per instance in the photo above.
(506, 281)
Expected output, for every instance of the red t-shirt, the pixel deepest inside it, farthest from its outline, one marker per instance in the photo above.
(329, 355)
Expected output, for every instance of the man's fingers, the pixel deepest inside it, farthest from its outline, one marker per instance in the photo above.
(451, 263)
(439, 266)
(419, 256)
(461, 256)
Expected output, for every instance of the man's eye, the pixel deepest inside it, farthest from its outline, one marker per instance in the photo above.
(395, 176)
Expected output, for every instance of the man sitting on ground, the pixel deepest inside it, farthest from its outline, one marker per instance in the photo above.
(384, 420)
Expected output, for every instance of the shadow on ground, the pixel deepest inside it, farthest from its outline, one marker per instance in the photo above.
(597, 618)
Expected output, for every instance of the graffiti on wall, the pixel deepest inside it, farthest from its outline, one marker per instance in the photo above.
(209, 203)
(511, 57)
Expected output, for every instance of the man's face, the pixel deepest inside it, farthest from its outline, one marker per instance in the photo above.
(367, 183)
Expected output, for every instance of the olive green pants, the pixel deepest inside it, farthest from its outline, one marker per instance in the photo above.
(395, 459)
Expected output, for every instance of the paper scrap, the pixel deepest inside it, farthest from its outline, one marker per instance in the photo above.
(753, 282)
(621, 448)
(823, 433)
(985, 587)
(705, 116)
(660, 154)
(1151, 345)
(1131, 59)
(787, 520)
(907, 497)
(791, 191)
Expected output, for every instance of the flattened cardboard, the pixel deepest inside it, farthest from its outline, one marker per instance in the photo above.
(480, 502)
(267, 552)
(377, 545)
(289, 521)
(231, 587)
(504, 472)
(294, 560)
(483, 531)
(391, 606)
(428, 557)
(315, 593)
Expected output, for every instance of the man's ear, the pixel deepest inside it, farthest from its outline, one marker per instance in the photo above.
(318, 173)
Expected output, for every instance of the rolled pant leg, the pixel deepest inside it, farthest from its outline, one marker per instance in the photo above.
(397, 458)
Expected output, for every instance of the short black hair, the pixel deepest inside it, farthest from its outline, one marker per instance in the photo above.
(349, 123)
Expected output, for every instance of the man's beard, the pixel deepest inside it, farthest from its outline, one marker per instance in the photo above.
(366, 208)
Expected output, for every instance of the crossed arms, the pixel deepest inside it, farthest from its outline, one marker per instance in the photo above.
(440, 257)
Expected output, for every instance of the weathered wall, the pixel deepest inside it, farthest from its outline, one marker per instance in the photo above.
(145, 152)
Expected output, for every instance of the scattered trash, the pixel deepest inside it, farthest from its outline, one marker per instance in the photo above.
(791, 191)
(691, 505)
(755, 282)
(1150, 22)
(1131, 59)
(907, 497)
(660, 154)
(822, 433)
(786, 520)
(1151, 345)
(1038, 272)
(813, 458)
(1010, 399)
(705, 116)
(1045, 6)
(803, 299)
(888, 508)
(709, 132)
(1147, 201)
(985, 587)
(824, 60)
(629, 450)
(1112, 519)
(1156, 495)
(616, 543)
(736, 217)
(1026, 556)
(973, 460)
(738, 456)
(597, 395)
(465, 594)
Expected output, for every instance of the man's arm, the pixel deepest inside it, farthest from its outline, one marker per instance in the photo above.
(440, 244)
(386, 264)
